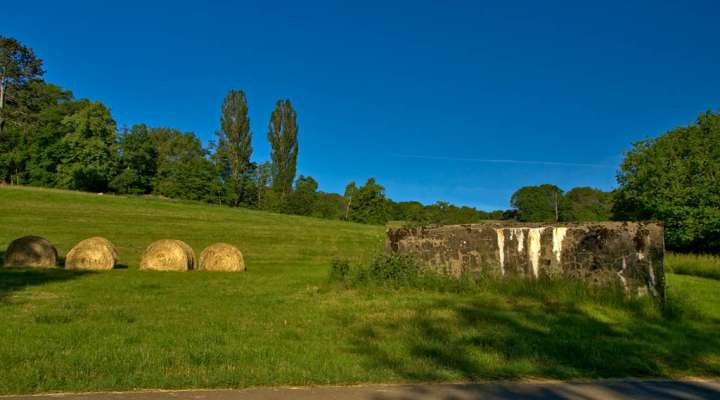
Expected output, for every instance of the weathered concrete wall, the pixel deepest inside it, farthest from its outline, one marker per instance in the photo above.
(627, 253)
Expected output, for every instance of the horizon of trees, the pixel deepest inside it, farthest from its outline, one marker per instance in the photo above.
(49, 138)
(549, 203)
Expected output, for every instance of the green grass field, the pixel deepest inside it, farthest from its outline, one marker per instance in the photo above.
(281, 323)
(704, 265)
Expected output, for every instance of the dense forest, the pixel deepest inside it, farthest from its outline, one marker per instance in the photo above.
(49, 138)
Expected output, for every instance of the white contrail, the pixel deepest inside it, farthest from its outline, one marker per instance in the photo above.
(497, 161)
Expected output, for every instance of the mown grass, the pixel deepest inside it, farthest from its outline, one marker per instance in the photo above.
(704, 265)
(282, 323)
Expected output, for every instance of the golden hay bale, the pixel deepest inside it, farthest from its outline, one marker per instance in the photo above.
(96, 253)
(31, 251)
(168, 255)
(221, 257)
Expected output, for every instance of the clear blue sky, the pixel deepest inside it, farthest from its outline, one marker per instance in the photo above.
(438, 100)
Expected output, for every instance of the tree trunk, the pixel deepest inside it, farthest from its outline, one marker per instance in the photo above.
(347, 208)
(2, 103)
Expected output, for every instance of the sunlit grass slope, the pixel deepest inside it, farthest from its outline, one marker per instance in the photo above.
(704, 265)
(267, 240)
(280, 323)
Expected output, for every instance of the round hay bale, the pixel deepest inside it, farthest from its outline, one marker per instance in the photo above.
(168, 255)
(31, 251)
(96, 253)
(221, 257)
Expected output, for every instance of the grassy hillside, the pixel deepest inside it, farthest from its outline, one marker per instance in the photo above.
(266, 239)
(280, 323)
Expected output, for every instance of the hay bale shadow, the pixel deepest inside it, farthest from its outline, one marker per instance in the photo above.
(17, 279)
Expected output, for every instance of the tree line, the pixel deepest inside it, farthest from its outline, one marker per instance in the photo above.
(49, 138)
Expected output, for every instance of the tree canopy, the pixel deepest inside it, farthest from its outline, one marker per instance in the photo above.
(537, 203)
(586, 204)
(369, 204)
(675, 178)
(18, 65)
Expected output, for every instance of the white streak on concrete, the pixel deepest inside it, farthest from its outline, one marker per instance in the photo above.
(521, 239)
(534, 248)
(653, 282)
(620, 273)
(652, 273)
(501, 249)
(558, 236)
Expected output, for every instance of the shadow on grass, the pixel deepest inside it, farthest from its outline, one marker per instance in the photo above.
(16, 279)
(486, 337)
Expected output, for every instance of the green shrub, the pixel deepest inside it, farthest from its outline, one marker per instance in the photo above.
(393, 269)
(339, 270)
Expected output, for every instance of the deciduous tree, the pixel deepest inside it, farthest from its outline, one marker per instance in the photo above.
(675, 178)
(18, 65)
(586, 204)
(87, 154)
(137, 161)
(537, 203)
(370, 205)
(183, 169)
(302, 200)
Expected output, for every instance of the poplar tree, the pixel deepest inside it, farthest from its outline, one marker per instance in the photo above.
(235, 143)
(282, 135)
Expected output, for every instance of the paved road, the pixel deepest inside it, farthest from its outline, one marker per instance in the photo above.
(605, 390)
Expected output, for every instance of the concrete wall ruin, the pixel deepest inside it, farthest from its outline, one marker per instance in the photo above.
(626, 253)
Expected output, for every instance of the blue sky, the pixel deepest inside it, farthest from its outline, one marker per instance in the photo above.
(463, 101)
